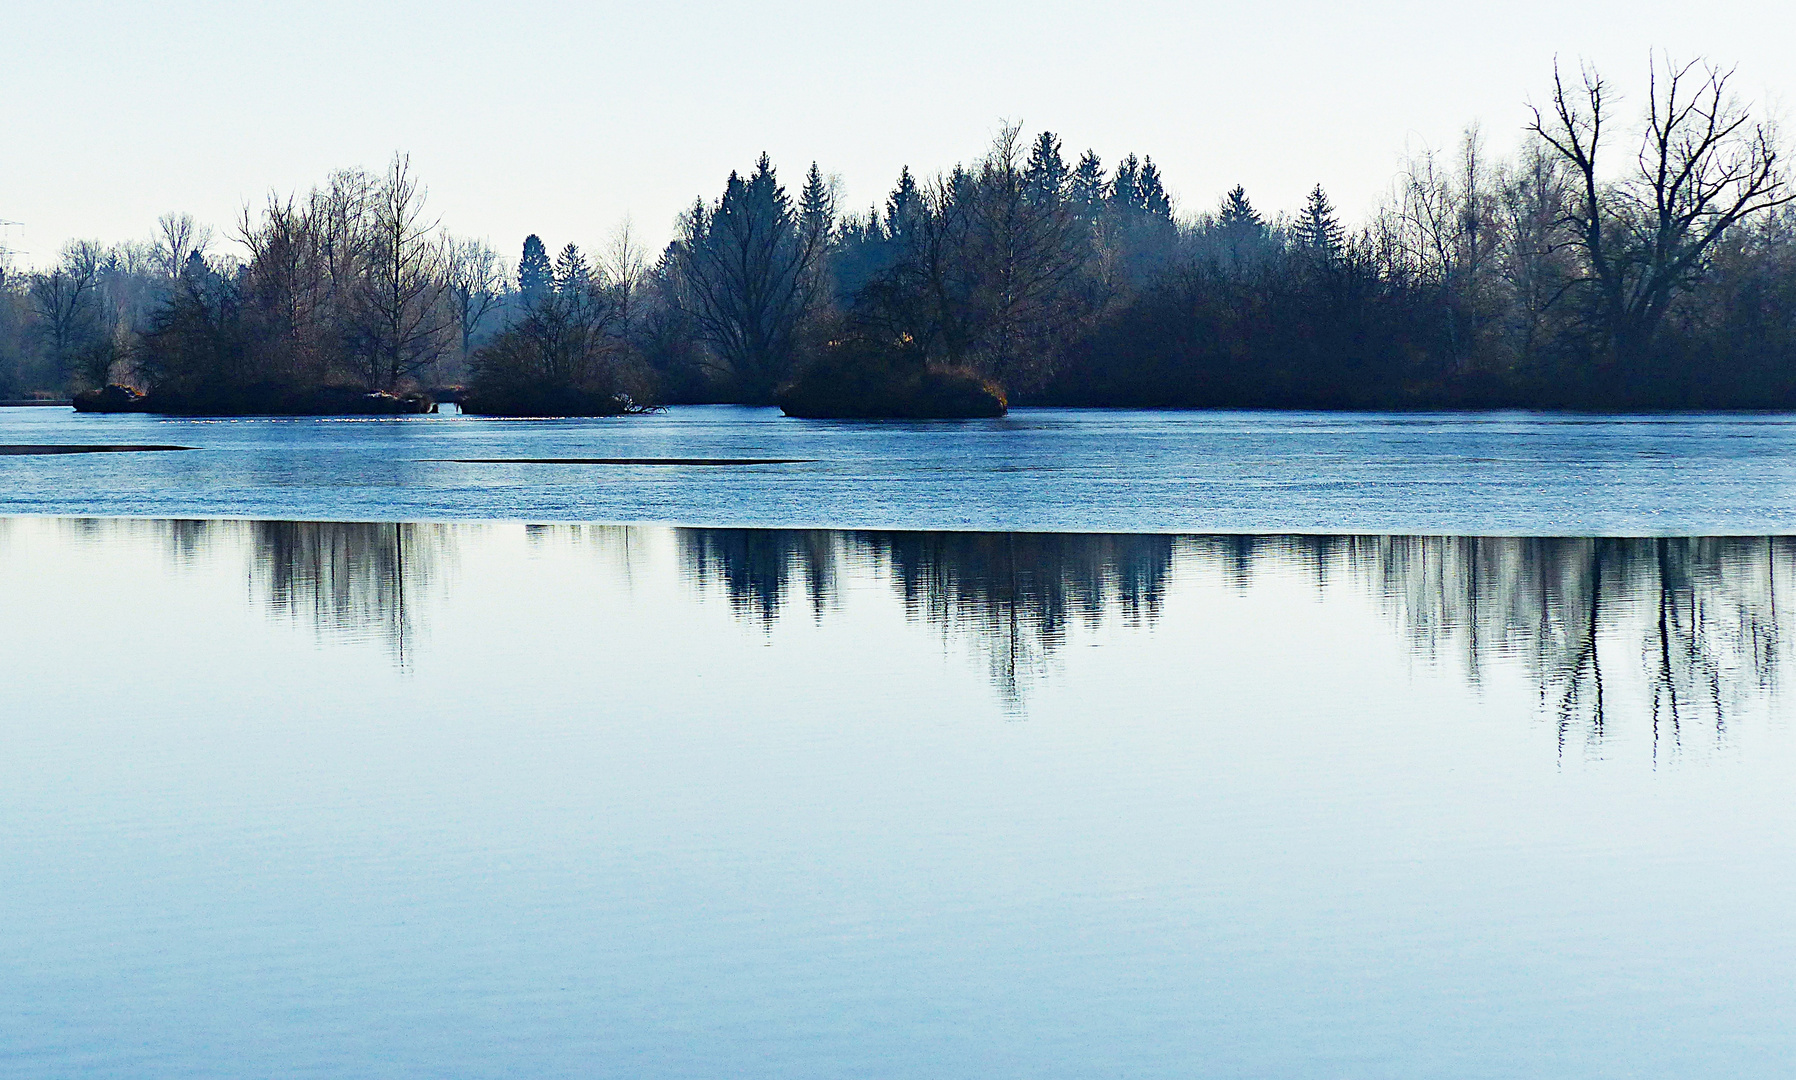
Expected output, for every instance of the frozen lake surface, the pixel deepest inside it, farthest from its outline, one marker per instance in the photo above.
(1154, 745)
(428, 800)
(1037, 470)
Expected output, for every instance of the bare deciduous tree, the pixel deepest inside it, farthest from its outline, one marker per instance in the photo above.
(1022, 248)
(475, 277)
(177, 237)
(65, 300)
(399, 318)
(1701, 167)
(626, 267)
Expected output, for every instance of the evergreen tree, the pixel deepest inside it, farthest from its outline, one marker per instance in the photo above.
(1125, 187)
(536, 275)
(1317, 230)
(963, 185)
(903, 205)
(1154, 200)
(572, 275)
(748, 271)
(1045, 176)
(1087, 188)
(1241, 229)
(1237, 213)
(816, 204)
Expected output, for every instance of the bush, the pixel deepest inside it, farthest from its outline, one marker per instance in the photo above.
(862, 379)
(559, 359)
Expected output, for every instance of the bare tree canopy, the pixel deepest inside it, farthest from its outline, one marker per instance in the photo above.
(1701, 166)
(179, 237)
(475, 278)
(399, 318)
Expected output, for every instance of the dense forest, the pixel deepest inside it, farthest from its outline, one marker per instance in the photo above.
(1611, 262)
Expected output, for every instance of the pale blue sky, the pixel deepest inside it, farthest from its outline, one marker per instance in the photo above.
(562, 118)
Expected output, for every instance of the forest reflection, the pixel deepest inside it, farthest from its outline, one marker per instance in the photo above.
(1012, 595)
(356, 581)
(1689, 627)
(1679, 633)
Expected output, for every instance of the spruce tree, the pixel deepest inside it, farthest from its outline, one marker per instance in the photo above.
(1125, 187)
(572, 275)
(1237, 212)
(752, 277)
(1087, 187)
(1154, 200)
(816, 204)
(1045, 175)
(962, 185)
(1317, 230)
(903, 204)
(536, 275)
(1241, 229)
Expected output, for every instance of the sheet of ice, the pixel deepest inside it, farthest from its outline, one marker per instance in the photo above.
(1059, 470)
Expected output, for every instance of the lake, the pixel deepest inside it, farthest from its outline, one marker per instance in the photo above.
(418, 797)
(1036, 470)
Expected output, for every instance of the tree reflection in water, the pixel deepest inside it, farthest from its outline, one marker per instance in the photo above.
(1681, 633)
(1011, 595)
(1694, 620)
(757, 568)
(347, 580)
(350, 578)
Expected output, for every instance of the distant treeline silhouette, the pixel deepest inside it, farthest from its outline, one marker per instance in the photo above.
(1613, 262)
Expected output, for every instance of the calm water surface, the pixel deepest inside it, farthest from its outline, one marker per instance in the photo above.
(429, 800)
(1038, 469)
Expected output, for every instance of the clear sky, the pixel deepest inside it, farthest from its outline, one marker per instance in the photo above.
(561, 118)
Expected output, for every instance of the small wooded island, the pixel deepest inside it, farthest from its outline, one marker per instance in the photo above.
(1659, 274)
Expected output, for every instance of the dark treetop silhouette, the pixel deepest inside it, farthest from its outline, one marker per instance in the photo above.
(1599, 267)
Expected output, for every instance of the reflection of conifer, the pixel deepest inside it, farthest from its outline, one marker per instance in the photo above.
(1013, 595)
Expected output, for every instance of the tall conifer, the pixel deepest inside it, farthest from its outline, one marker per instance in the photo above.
(535, 273)
(903, 204)
(1317, 229)
(1087, 188)
(1125, 187)
(1237, 211)
(572, 274)
(1154, 200)
(1045, 176)
(817, 204)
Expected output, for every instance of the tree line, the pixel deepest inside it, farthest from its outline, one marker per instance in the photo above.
(1643, 260)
